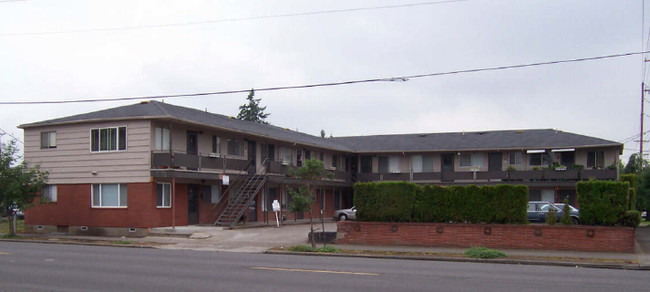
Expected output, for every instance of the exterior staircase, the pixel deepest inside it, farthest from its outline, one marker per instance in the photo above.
(239, 195)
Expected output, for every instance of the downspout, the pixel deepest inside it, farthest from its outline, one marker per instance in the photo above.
(173, 203)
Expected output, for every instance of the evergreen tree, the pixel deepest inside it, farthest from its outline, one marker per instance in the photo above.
(252, 111)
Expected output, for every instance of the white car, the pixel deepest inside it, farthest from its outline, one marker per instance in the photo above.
(345, 214)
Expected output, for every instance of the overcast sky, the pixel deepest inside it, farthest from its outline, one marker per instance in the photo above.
(65, 49)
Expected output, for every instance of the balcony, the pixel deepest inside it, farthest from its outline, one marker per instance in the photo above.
(496, 176)
(179, 160)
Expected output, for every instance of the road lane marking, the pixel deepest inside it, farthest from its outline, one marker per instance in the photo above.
(313, 271)
(49, 260)
(4, 252)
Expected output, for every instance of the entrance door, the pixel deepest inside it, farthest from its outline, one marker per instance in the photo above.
(192, 204)
(494, 161)
(252, 155)
(192, 143)
(568, 159)
(446, 166)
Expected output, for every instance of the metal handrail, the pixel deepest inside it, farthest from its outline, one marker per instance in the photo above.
(233, 185)
(220, 208)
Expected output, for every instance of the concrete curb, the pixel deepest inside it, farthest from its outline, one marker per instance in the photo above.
(75, 243)
(470, 260)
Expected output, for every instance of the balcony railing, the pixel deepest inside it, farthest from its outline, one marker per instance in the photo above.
(179, 160)
(506, 176)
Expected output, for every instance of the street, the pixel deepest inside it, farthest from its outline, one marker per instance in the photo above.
(56, 267)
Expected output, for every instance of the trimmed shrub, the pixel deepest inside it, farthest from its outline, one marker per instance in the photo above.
(632, 179)
(566, 216)
(423, 208)
(384, 201)
(484, 253)
(602, 202)
(631, 218)
(551, 216)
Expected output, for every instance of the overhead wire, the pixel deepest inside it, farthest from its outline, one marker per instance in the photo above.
(349, 82)
(235, 19)
(3, 132)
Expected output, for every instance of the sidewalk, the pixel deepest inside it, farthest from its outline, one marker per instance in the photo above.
(268, 239)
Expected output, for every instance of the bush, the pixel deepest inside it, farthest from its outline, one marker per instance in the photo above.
(551, 216)
(631, 218)
(484, 253)
(306, 248)
(602, 202)
(566, 210)
(384, 201)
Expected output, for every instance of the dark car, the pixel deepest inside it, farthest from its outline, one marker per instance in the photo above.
(537, 211)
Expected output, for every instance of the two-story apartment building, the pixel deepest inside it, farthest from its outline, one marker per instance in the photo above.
(155, 164)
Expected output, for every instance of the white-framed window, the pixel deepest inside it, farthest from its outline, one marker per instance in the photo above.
(286, 155)
(164, 195)
(162, 137)
(235, 147)
(108, 139)
(539, 159)
(48, 194)
(109, 195)
(471, 159)
(516, 158)
(48, 140)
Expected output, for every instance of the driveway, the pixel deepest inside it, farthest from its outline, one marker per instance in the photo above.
(251, 240)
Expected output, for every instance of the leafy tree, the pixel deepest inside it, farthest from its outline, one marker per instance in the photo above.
(643, 191)
(311, 172)
(633, 164)
(19, 183)
(252, 111)
(322, 133)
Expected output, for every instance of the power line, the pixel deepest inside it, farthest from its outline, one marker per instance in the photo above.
(3, 132)
(236, 19)
(277, 88)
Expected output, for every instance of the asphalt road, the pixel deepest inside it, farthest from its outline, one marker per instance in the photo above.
(58, 267)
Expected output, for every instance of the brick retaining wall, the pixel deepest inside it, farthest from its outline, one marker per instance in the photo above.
(509, 236)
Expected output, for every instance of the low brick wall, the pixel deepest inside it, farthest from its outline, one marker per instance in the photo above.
(508, 236)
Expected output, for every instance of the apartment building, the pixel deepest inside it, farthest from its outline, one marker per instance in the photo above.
(152, 164)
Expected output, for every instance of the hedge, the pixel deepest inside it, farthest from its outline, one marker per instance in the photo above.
(386, 201)
(602, 202)
(632, 179)
(389, 201)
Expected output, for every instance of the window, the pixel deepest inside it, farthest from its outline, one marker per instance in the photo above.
(216, 144)
(539, 159)
(164, 195)
(366, 164)
(335, 160)
(516, 158)
(235, 147)
(48, 140)
(388, 164)
(471, 159)
(162, 139)
(286, 199)
(48, 194)
(109, 195)
(422, 163)
(596, 159)
(108, 139)
(285, 155)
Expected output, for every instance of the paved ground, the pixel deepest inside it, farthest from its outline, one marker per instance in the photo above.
(59, 267)
(262, 238)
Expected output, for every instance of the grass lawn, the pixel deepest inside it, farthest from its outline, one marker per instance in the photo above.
(4, 225)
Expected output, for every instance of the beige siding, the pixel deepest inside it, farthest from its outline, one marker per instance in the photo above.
(73, 162)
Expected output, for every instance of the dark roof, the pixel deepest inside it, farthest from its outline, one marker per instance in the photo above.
(159, 110)
(489, 140)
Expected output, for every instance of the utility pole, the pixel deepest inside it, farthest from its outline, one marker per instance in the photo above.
(641, 136)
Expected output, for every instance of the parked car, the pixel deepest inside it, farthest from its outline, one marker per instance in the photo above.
(537, 211)
(561, 206)
(345, 214)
